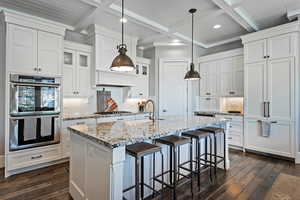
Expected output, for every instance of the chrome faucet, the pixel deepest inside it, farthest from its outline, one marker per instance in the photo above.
(152, 114)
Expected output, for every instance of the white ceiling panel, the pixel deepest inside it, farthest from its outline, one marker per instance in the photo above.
(113, 22)
(65, 11)
(205, 33)
(166, 12)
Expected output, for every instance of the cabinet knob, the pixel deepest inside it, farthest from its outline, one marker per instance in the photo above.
(39, 69)
(265, 56)
(35, 69)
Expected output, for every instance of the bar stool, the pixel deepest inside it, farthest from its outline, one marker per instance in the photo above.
(174, 142)
(214, 131)
(139, 151)
(206, 164)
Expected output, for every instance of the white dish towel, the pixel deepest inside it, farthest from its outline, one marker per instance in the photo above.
(266, 126)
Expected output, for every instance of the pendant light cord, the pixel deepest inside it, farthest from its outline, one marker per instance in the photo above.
(122, 22)
(192, 37)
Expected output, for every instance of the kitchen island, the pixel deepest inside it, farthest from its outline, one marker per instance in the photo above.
(99, 166)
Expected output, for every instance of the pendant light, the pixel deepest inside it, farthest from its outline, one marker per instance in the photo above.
(192, 74)
(122, 62)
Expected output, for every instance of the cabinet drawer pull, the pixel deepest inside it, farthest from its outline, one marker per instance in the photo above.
(80, 123)
(36, 157)
(208, 99)
(120, 119)
(230, 138)
(208, 93)
(274, 122)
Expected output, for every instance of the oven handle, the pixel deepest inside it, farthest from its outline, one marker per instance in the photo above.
(34, 117)
(35, 85)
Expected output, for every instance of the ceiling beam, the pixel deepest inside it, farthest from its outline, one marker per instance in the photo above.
(293, 14)
(224, 42)
(249, 26)
(88, 18)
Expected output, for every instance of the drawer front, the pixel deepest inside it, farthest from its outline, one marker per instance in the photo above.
(19, 160)
(236, 126)
(234, 140)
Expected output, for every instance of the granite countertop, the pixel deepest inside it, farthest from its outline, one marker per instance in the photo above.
(67, 117)
(120, 133)
(219, 113)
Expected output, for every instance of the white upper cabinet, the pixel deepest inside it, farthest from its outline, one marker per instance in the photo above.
(222, 74)
(281, 46)
(255, 51)
(33, 51)
(21, 49)
(49, 53)
(208, 81)
(77, 64)
(69, 72)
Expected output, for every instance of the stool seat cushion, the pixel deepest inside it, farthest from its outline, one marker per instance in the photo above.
(197, 134)
(213, 130)
(142, 149)
(173, 140)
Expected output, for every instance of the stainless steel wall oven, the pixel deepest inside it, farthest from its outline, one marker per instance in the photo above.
(34, 111)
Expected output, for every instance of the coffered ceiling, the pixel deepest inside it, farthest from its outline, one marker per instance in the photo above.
(162, 21)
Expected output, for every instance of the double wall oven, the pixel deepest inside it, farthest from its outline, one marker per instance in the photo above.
(34, 111)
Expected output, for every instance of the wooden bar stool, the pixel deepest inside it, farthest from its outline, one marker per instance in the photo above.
(205, 164)
(139, 151)
(217, 158)
(174, 142)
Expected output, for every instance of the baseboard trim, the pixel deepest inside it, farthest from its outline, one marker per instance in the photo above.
(2, 161)
(297, 160)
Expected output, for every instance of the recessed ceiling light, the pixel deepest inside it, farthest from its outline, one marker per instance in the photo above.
(217, 26)
(123, 20)
(176, 41)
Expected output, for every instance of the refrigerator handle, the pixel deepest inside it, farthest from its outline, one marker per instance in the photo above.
(268, 103)
(264, 105)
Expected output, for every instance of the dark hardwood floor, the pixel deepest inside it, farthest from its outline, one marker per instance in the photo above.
(250, 177)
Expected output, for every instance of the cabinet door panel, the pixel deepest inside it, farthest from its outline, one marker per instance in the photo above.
(238, 76)
(255, 51)
(49, 53)
(69, 72)
(208, 81)
(22, 49)
(83, 73)
(108, 52)
(226, 76)
(279, 142)
(281, 46)
(255, 89)
(281, 89)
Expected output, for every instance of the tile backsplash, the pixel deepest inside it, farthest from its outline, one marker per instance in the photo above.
(232, 104)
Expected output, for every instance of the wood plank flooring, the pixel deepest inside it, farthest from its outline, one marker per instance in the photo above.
(250, 177)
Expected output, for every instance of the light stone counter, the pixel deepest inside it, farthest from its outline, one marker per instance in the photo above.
(99, 166)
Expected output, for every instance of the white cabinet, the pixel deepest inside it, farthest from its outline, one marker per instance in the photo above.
(65, 133)
(209, 104)
(76, 70)
(236, 130)
(255, 51)
(49, 53)
(141, 88)
(21, 49)
(33, 51)
(232, 77)
(280, 46)
(271, 90)
(209, 78)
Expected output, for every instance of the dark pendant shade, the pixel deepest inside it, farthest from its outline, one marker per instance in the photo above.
(122, 62)
(192, 74)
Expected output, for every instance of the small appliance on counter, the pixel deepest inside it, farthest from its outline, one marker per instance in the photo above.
(102, 97)
(34, 111)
